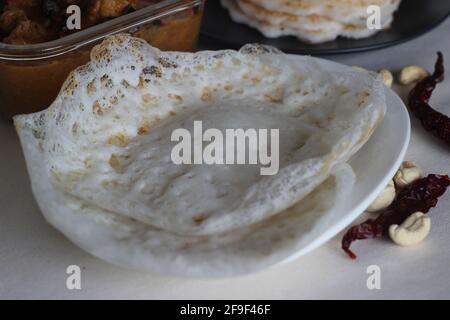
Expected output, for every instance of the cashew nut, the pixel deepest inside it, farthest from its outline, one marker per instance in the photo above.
(384, 199)
(412, 231)
(387, 77)
(407, 173)
(412, 74)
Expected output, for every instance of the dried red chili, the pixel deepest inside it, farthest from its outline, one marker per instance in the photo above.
(418, 101)
(421, 195)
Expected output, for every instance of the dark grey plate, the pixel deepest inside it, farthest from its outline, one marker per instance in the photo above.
(414, 18)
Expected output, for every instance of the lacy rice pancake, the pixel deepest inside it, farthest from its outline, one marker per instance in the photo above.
(100, 156)
(310, 21)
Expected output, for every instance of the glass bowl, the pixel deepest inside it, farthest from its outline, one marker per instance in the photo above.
(32, 75)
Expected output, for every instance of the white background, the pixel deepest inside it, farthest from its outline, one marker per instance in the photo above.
(34, 256)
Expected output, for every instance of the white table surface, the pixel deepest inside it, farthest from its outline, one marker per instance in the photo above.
(34, 256)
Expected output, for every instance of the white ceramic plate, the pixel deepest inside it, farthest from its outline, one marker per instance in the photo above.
(374, 165)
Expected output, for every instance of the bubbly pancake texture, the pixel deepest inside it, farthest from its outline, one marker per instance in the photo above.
(100, 166)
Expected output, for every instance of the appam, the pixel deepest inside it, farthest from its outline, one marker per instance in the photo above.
(315, 24)
(254, 9)
(336, 10)
(100, 167)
